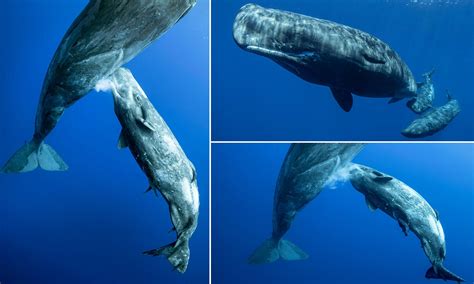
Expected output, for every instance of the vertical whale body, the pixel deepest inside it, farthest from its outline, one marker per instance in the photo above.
(161, 158)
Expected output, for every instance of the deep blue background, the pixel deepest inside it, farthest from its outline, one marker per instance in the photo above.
(255, 99)
(347, 243)
(92, 223)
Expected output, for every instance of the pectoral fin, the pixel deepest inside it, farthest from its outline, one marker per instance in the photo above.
(404, 227)
(371, 206)
(144, 121)
(122, 141)
(343, 98)
(146, 124)
(152, 188)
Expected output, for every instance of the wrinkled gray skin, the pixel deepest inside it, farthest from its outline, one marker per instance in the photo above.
(409, 209)
(303, 175)
(106, 35)
(425, 96)
(327, 53)
(433, 121)
(160, 157)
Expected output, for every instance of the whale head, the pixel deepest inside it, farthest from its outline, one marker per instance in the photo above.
(127, 93)
(269, 33)
(367, 180)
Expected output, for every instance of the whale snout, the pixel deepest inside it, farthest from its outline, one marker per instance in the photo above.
(246, 26)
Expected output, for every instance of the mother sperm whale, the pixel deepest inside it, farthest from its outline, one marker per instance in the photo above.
(410, 210)
(106, 35)
(347, 60)
(303, 175)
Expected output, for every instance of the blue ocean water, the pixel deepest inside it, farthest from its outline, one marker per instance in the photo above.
(92, 223)
(256, 99)
(346, 242)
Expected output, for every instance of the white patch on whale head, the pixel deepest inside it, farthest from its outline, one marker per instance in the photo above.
(103, 85)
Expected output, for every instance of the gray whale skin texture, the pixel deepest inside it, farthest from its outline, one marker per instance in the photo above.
(161, 158)
(425, 96)
(347, 60)
(303, 175)
(433, 121)
(106, 35)
(409, 209)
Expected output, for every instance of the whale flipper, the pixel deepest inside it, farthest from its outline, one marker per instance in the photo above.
(370, 204)
(343, 98)
(442, 273)
(33, 154)
(122, 141)
(271, 250)
(177, 254)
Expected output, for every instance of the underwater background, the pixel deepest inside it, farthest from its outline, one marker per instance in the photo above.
(346, 242)
(92, 223)
(256, 99)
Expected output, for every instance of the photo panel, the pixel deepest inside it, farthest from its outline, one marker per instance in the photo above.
(339, 213)
(343, 70)
(81, 79)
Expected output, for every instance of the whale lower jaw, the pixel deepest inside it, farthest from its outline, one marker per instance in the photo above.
(274, 54)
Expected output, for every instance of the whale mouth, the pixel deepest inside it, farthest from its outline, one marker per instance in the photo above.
(269, 52)
(298, 57)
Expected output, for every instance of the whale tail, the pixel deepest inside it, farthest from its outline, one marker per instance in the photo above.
(177, 254)
(442, 273)
(271, 250)
(34, 154)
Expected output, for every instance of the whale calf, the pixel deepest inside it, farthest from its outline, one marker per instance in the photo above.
(433, 121)
(425, 94)
(303, 175)
(410, 210)
(347, 60)
(106, 35)
(161, 158)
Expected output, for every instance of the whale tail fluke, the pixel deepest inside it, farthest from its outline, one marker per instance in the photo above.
(271, 250)
(442, 273)
(177, 254)
(34, 154)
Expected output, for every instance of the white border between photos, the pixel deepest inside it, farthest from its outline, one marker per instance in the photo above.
(210, 141)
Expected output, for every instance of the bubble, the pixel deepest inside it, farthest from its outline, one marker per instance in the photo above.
(103, 85)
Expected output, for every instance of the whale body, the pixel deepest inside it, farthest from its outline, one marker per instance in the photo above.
(410, 210)
(425, 95)
(161, 158)
(347, 60)
(303, 175)
(106, 35)
(433, 121)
